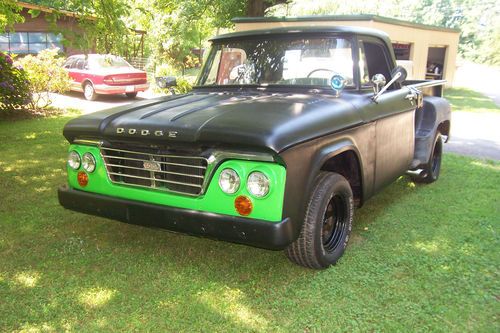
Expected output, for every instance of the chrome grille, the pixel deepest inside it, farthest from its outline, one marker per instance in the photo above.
(153, 168)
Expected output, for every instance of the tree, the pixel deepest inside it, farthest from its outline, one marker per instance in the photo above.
(9, 14)
(259, 7)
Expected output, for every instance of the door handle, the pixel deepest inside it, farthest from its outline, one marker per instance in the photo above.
(414, 95)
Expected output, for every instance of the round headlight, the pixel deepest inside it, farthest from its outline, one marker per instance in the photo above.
(88, 162)
(74, 160)
(258, 184)
(229, 181)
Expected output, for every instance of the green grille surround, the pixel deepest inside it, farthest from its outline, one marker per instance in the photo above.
(268, 208)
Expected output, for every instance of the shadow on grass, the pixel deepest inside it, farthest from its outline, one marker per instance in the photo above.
(463, 99)
(61, 270)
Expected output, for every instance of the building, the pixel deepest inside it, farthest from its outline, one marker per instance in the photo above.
(425, 51)
(35, 33)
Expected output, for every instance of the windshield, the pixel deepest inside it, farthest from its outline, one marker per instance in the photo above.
(299, 61)
(107, 61)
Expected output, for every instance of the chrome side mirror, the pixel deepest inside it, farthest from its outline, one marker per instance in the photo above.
(398, 74)
(378, 82)
(166, 81)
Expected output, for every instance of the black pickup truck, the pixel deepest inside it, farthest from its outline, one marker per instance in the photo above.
(285, 132)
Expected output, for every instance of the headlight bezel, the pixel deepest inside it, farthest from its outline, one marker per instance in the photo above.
(232, 189)
(262, 177)
(88, 162)
(74, 153)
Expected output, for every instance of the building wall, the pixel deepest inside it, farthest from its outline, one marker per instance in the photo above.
(420, 38)
(40, 24)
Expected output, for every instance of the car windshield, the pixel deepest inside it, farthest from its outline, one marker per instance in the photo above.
(285, 61)
(107, 61)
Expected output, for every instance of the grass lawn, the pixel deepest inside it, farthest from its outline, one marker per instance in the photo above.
(463, 99)
(422, 258)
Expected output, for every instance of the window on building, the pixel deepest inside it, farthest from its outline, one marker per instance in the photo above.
(29, 42)
(402, 51)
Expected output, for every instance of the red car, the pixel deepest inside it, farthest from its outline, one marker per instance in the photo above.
(95, 74)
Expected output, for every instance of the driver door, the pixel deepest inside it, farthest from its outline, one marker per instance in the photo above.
(392, 115)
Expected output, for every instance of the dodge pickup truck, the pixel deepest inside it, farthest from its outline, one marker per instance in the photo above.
(285, 132)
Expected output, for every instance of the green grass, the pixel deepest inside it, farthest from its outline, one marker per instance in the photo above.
(421, 258)
(463, 99)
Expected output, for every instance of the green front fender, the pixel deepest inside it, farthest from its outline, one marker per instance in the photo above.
(269, 208)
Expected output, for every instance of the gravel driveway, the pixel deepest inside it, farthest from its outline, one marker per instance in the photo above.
(75, 100)
(475, 134)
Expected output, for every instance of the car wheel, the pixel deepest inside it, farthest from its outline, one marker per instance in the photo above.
(431, 172)
(327, 224)
(89, 92)
(131, 94)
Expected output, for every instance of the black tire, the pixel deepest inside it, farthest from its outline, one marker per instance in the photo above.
(89, 92)
(131, 94)
(431, 171)
(327, 224)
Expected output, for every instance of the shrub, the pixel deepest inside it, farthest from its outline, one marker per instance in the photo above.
(14, 85)
(46, 76)
(183, 85)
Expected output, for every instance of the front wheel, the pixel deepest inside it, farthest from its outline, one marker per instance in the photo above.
(327, 224)
(431, 171)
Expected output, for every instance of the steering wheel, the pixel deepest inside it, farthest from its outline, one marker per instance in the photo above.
(320, 69)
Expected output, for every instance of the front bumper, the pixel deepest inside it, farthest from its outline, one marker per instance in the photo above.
(258, 233)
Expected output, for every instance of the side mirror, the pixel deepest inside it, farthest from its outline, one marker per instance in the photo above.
(166, 81)
(400, 72)
(378, 82)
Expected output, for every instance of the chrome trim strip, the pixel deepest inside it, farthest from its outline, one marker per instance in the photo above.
(88, 142)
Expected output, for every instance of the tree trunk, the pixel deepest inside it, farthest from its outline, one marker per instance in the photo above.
(259, 7)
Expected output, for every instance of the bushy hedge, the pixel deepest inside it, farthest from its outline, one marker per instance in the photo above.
(14, 85)
(46, 76)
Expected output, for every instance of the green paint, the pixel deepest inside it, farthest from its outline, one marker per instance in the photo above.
(214, 200)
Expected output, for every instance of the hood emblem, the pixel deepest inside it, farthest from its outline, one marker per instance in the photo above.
(152, 166)
(146, 132)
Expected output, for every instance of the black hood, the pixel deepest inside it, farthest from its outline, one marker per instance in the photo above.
(267, 120)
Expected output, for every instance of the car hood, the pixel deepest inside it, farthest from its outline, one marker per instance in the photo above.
(267, 120)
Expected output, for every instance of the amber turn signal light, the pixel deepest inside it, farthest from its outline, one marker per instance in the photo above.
(83, 179)
(243, 205)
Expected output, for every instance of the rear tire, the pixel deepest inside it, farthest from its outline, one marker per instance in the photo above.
(131, 94)
(327, 224)
(433, 168)
(89, 92)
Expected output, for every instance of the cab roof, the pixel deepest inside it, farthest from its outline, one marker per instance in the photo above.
(305, 30)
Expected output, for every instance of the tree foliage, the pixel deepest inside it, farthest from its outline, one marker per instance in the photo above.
(476, 19)
(9, 14)
(175, 27)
